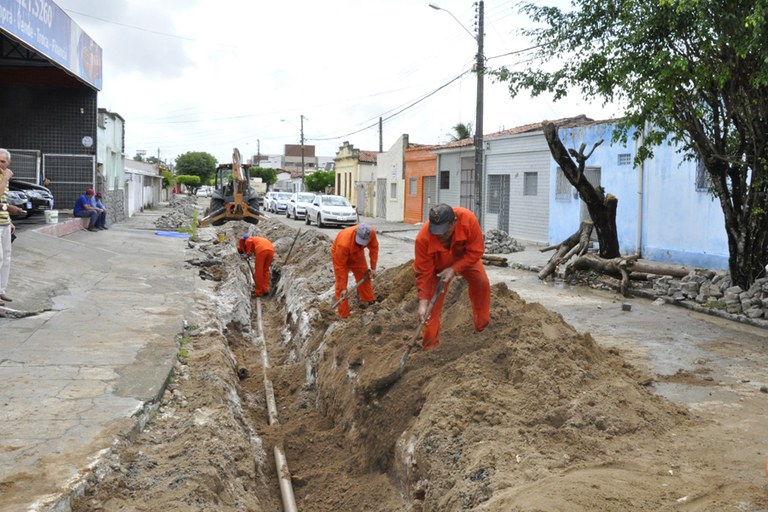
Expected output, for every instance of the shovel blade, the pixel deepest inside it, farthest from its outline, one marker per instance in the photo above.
(384, 383)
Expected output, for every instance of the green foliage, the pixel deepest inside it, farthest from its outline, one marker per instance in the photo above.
(190, 181)
(267, 174)
(687, 71)
(318, 181)
(169, 179)
(196, 163)
(461, 131)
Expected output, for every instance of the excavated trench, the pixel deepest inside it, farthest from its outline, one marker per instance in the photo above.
(528, 415)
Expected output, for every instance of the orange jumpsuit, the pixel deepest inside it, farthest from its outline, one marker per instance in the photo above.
(347, 255)
(264, 253)
(466, 249)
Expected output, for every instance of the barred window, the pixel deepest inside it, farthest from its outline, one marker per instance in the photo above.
(413, 186)
(531, 184)
(703, 179)
(445, 180)
(393, 190)
(625, 159)
(563, 187)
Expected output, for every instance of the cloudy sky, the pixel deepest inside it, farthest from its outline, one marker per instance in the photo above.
(210, 75)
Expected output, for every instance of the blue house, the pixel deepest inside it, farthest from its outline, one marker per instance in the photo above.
(665, 211)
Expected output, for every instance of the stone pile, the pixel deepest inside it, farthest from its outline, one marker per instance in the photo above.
(499, 242)
(180, 214)
(714, 290)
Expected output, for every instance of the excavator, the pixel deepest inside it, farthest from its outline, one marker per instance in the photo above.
(232, 197)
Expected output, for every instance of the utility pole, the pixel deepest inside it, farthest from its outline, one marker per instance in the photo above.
(480, 69)
(258, 153)
(302, 153)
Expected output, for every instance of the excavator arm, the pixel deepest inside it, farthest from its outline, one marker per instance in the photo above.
(235, 202)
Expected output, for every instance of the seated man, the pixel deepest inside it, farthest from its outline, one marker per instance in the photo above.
(84, 208)
(102, 222)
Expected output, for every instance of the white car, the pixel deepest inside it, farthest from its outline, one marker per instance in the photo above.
(267, 203)
(331, 210)
(297, 205)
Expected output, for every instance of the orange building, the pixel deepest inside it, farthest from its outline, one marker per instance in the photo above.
(420, 182)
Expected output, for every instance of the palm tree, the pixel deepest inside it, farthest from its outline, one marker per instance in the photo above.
(461, 131)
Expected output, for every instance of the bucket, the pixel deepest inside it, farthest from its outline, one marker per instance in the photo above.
(51, 216)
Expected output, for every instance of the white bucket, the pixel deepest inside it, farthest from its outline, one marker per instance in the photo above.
(51, 216)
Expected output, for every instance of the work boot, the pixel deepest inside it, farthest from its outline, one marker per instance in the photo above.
(364, 305)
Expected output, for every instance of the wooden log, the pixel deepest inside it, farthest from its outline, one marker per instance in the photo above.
(498, 261)
(577, 243)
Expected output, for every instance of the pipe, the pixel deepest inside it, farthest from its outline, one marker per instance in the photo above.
(640, 184)
(281, 464)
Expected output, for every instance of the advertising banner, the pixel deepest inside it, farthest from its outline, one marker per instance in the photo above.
(48, 30)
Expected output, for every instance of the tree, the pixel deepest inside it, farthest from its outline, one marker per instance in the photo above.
(461, 131)
(268, 175)
(692, 73)
(319, 181)
(196, 163)
(191, 182)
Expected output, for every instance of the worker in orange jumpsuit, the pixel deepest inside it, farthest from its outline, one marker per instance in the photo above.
(348, 253)
(450, 243)
(264, 253)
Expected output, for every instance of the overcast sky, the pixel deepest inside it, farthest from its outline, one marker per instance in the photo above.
(210, 75)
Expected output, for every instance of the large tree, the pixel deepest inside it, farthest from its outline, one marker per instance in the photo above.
(693, 72)
(267, 174)
(196, 163)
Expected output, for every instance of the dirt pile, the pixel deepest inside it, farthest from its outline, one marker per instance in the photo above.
(528, 415)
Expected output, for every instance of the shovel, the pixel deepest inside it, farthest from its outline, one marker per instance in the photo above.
(274, 276)
(386, 382)
(345, 296)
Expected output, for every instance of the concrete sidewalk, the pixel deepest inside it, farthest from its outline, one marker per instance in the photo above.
(77, 374)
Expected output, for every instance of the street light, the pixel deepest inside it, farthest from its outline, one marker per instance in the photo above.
(302, 148)
(480, 70)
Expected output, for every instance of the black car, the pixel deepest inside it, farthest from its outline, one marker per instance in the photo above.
(39, 196)
(19, 199)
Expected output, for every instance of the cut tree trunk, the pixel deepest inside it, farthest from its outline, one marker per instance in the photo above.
(576, 244)
(622, 267)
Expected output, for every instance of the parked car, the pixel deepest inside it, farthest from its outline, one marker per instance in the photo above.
(297, 205)
(204, 191)
(40, 196)
(331, 210)
(280, 202)
(267, 201)
(19, 199)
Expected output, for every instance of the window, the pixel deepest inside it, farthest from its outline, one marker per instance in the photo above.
(625, 159)
(703, 179)
(413, 186)
(393, 190)
(531, 184)
(563, 187)
(445, 180)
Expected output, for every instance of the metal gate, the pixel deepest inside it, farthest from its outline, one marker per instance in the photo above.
(25, 164)
(498, 200)
(361, 199)
(68, 176)
(429, 190)
(467, 193)
(381, 198)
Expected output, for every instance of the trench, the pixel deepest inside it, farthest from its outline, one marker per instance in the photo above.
(314, 434)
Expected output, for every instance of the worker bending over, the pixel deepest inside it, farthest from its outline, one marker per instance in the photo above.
(264, 253)
(348, 253)
(450, 243)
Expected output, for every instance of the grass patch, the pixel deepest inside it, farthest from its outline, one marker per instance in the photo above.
(715, 304)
